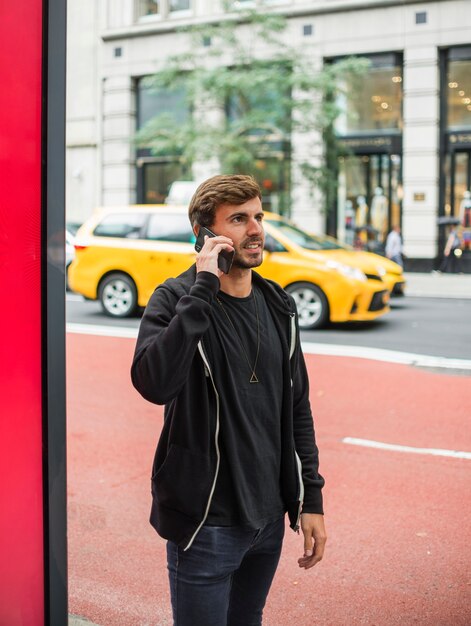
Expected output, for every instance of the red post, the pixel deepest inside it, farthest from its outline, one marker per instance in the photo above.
(24, 522)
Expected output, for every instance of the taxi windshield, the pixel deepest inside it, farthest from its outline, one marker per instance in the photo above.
(302, 238)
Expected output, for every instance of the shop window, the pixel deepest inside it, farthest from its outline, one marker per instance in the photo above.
(457, 172)
(369, 199)
(458, 89)
(157, 173)
(372, 102)
(263, 117)
(153, 101)
(456, 180)
(273, 176)
(266, 109)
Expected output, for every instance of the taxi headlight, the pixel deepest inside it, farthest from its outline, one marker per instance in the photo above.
(381, 271)
(347, 270)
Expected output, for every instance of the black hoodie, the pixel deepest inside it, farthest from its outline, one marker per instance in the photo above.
(171, 367)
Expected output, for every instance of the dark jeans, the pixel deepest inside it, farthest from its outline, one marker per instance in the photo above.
(397, 258)
(224, 578)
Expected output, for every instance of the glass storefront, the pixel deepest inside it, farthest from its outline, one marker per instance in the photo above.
(155, 174)
(455, 209)
(273, 176)
(369, 199)
(156, 177)
(372, 102)
(369, 128)
(268, 112)
(152, 101)
(458, 92)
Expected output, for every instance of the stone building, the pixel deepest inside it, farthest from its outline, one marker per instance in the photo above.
(408, 139)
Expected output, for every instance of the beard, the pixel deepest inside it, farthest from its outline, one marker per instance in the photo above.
(247, 261)
(246, 264)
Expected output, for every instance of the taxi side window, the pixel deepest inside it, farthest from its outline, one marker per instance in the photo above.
(272, 244)
(127, 225)
(170, 227)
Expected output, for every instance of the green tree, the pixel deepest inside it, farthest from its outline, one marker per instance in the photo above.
(249, 91)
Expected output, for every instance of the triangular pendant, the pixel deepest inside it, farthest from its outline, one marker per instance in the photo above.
(253, 378)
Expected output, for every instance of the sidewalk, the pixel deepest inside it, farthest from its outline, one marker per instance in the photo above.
(435, 285)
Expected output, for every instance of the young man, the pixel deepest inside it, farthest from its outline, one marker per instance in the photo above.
(237, 449)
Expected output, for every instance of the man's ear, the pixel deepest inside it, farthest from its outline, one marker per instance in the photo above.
(196, 229)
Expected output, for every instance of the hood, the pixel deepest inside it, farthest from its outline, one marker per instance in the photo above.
(367, 262)
(377, 260)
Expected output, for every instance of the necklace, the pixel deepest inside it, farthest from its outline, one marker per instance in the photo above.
(253, 378)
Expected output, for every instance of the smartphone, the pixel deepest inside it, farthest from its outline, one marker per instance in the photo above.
(225, 258)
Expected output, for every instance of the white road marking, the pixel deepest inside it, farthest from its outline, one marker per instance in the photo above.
(374, 354)
(389, 356)
(104, 331)
(368, 443)
(74, 297)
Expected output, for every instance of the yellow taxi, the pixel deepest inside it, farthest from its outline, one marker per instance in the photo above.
(370, 263)
(123, 253)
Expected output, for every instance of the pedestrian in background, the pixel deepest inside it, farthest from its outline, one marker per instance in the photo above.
(394, 246)
(237, 449)
(452, 252)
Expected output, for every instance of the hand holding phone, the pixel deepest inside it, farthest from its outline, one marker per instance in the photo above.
(225, 257)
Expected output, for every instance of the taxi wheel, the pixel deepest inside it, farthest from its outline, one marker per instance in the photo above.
(312, 305)
(118, 295)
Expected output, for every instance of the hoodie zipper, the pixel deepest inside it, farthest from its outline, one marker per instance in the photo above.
(292, 345)
(299, 466)
(301, 489)
(216, 443)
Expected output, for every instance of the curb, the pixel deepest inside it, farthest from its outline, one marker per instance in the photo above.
(75, 620)
(437, 285)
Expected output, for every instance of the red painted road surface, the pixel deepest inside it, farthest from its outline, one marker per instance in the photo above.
(399, 549)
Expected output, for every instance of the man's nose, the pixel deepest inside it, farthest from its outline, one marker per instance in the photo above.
(254, 227)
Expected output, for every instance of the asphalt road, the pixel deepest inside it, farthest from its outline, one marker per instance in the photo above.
(429, 326)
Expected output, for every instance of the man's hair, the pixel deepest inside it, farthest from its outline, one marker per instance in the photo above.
(218, 190)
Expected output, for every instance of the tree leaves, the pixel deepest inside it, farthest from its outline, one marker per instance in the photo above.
(248, 92)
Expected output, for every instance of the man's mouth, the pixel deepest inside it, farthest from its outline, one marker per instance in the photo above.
(253, 245)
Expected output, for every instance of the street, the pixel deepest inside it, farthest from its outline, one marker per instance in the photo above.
(398, 521)
(429, 326)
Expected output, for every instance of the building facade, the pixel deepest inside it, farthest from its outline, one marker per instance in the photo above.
(405, 125)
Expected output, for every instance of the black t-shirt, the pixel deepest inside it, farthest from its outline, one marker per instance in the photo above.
(247, 490)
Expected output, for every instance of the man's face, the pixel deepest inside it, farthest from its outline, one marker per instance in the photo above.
(243, 224)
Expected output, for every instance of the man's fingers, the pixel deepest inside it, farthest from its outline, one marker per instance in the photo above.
(311, 557)
(207, 259)
(318, 554)
(220, 240)
(308, 542)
